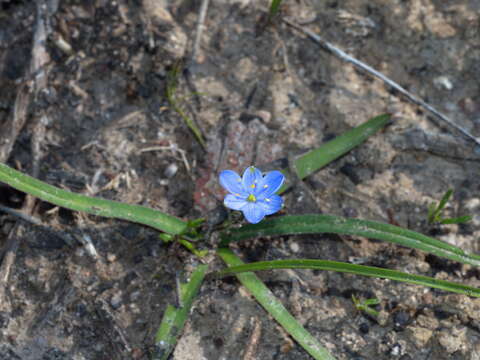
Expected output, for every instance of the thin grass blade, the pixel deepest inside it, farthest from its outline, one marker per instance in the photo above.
(314, 160)
(274, 7)
(174, 318)
(310, 224)
(338, 266)
(275, 308)
(91, 205)
(318, 158)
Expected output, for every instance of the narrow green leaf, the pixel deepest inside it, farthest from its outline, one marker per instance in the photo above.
(174, 318)
(457, 220)
(274, 7)
(373, 301)
(170, 92)
(310, 224)
(318, 158)
(314, 160)
(276, 309)
(91, 205)
(444, 201)
(431, 213)
(370, 271)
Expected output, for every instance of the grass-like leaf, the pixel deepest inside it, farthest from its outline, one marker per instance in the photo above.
(170, 93)
(274, 8)
(174, 317)
(91, 205)
(310, 224)
(314, 160)
(275, 308)
(457, 220)
(435, 212)
(353, 269)
(318, 158)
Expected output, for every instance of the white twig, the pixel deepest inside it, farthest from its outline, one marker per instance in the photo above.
(414, 99)
(173, 148)
(199, 31)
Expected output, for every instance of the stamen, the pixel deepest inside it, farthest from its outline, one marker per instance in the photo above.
(251, 198)
(253, 186)
(265, 186)
(267, 200)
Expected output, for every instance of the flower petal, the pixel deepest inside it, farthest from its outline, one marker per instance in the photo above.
(253, 212)
(232, 182)
(271, 204)
(251, 178)
(270, 184)
(234, 202)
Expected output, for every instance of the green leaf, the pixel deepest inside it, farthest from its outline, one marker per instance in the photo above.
(310, 224)
(431, 213)
(276, 309)
(91, 205)
(174, 318)
(444, 201)
(373, 301)
(456, 220)
(370, 271)
(274, 7)
(318, 158)
(365, 305)
(313, 160)
(170, 93)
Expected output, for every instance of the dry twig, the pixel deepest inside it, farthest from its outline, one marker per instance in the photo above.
(368, 69)
(37, 68)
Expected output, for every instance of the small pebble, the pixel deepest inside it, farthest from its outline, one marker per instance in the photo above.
(111, 257)
(294, 247)
(116, 300)
(443, 82)
(171, 170)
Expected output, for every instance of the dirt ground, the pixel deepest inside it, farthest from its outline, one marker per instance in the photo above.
(85, 109)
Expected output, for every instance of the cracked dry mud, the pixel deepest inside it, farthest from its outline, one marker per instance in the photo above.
(262, 93)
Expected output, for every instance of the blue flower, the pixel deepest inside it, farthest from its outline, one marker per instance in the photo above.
(253, 193)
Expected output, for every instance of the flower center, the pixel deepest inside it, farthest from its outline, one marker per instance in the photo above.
(251, 198)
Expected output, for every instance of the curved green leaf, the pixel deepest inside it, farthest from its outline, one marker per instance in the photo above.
(91, 205)
(276, 309)
(353, 269)
(174, 318)
(310, 224)
(318, 158)
(315, 159)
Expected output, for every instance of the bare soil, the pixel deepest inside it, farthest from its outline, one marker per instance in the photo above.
(97, 122)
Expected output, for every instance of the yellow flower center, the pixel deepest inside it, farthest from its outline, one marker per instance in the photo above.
(251, 198)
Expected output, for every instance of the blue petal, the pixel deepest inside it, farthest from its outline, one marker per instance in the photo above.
(251, 179)
(234, 202)
(232, 182)
(253, 212)
(271, 204)
(270, 184)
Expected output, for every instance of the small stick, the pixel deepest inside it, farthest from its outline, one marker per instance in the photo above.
(252, 345)
(199, 30)
(109, 319)
(38, 61)
(414, 99)
(20, 214)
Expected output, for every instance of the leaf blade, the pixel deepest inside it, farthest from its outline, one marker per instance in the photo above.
(276, 309)
(91, 205)
(314, 223)
(369, 271)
